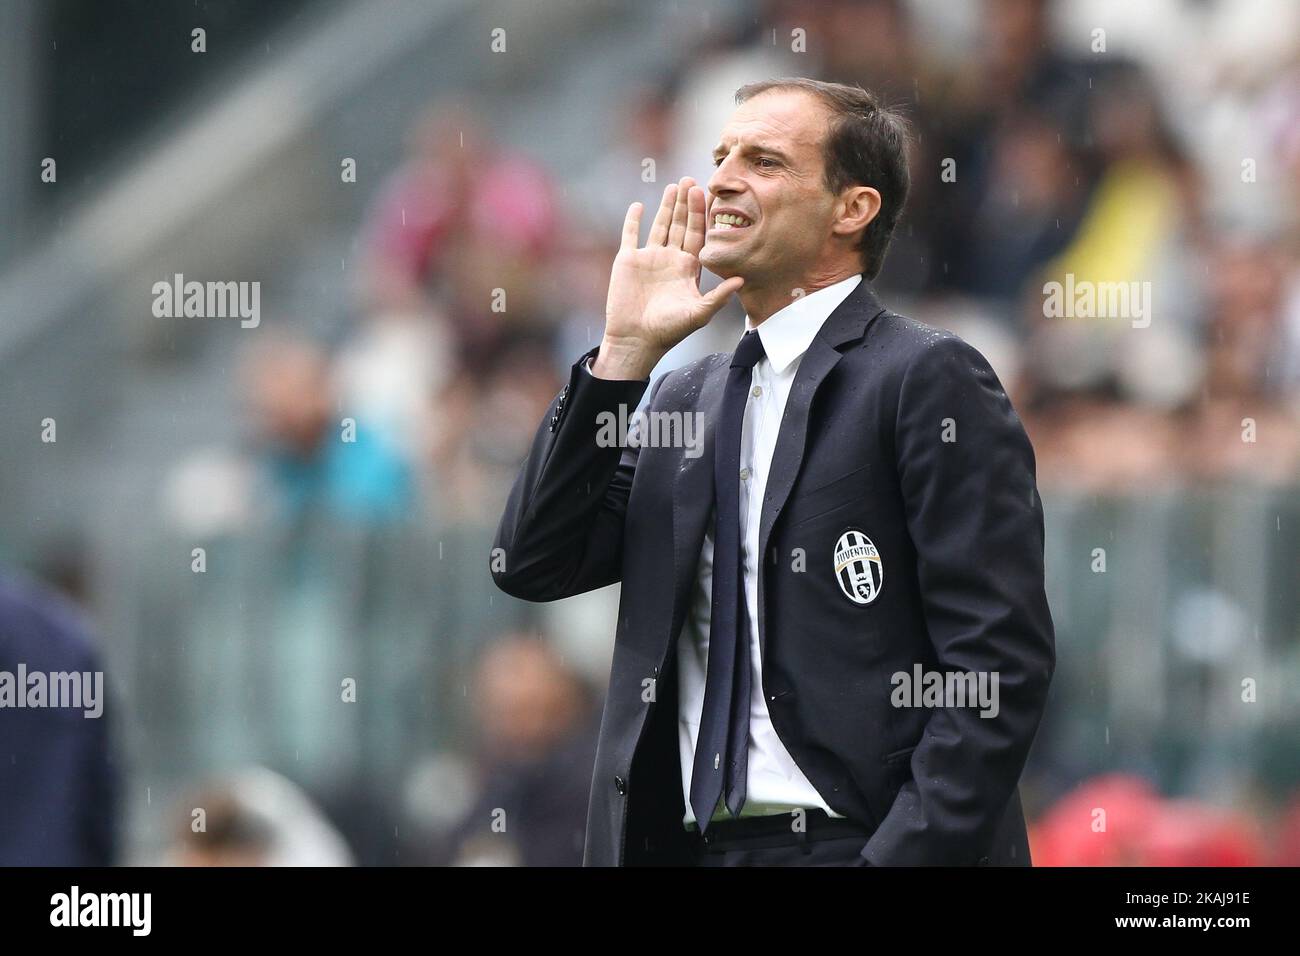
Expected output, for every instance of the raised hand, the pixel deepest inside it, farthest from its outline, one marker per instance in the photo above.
(654, 292)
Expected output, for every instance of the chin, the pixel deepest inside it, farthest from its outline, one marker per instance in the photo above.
(721, 265)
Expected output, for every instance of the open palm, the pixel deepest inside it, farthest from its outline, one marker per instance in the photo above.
(654, 291)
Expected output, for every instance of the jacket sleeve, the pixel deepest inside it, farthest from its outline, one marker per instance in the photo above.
(967, 474)
(562, 530)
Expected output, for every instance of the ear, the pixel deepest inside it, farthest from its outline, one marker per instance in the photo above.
(858, 206)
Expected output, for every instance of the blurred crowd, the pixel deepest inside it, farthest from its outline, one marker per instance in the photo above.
(1043, 153)
(1034, 162)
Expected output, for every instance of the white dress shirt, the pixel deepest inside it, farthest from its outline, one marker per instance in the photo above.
(774, 782)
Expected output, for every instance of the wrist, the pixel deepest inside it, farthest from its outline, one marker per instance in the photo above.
(624, 360)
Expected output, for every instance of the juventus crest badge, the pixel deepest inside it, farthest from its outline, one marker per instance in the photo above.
(858, 567)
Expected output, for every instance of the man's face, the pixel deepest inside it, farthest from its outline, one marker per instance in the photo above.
(769, 170)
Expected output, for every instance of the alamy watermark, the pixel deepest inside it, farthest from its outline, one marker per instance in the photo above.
(82, 690)
(175, 298)
(923, 688)
(130, 910)
(1085, 299)
(651, 430)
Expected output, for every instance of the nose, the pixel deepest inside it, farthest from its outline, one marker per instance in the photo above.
(726, 180)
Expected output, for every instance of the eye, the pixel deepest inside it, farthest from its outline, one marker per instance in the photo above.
(772, 163)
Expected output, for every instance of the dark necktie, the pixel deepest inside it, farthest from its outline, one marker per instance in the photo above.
(722, 748)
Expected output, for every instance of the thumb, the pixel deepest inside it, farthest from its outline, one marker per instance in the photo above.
(716, 299)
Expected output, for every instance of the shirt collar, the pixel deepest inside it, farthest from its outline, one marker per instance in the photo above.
(787, 333)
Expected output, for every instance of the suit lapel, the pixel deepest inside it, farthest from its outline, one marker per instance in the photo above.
(693, 483)
(847, 323)
(693, 492)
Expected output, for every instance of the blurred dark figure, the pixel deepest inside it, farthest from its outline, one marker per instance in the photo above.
(482, 430)
(58, 771)
(1016, 127)
(537, 732)
(876, 44)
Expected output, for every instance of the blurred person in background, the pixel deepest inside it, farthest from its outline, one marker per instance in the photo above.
(1245, 422)
(59, 773)
(1010, 120)
(302, 455)
(646, 123)
(484, 423)
(253, 817)
(717, 60)
(536, 745)
(1108, 389)
(464, 221)
(297, 462)
(873, 43)
(877, 44)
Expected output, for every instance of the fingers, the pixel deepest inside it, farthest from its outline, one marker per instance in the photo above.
(716, 299)
(697, 216)
(659, 229)
(631, 226)
(677, 231)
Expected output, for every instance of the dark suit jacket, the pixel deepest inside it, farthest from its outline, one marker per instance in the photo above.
(58, 775)
(892, 428)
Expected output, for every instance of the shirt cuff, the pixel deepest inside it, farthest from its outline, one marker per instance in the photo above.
(589, 359)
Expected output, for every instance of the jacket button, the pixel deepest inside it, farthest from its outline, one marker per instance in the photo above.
(620, 784)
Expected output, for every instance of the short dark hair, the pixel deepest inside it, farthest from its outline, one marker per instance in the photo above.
(866, 145)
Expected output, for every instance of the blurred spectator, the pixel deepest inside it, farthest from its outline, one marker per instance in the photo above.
(536, 748)
(1012, 128)
(59, 788)
(877, 44)
(302, 460)
(464, 222)
(717, 62)
(298, 430)
(619, 176)
(484, 424)
(254, 818)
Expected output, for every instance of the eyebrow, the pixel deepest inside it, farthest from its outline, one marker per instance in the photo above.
(755, 148)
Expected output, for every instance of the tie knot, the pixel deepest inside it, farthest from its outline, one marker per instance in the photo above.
(748, 352)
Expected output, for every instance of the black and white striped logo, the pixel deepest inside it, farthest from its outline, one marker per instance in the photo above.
(858, 567)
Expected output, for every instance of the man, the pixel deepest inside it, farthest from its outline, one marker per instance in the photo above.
(60, 783)
(862, 512)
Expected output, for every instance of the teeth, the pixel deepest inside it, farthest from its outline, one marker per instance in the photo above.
(728, 220)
